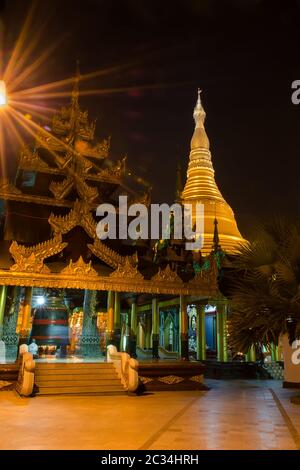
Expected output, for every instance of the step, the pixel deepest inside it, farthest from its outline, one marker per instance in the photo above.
(78, 382)
(76, 365)
(80, 390)
(72, 374)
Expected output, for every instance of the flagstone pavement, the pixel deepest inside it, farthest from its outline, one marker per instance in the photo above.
(236, 414)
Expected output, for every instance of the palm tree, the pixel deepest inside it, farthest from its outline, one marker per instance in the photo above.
(264, 281)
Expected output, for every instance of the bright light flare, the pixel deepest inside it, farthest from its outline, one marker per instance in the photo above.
(3, 94)
(21, 106)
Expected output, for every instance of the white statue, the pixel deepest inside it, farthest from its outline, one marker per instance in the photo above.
(33, 348)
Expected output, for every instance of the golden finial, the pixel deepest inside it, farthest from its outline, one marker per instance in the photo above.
(198, 104)
(198, 110)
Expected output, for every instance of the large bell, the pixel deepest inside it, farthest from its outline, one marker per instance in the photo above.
(50, 326)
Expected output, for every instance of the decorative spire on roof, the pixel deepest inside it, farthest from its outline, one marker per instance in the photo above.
(199, 139)
(216, 241)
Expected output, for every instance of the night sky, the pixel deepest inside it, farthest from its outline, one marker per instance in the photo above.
(244, 54)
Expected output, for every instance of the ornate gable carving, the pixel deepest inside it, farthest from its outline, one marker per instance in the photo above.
(78, 216)
(7, 187)
(80, 268)
(31, 259)
(166, 275)
(127, 271)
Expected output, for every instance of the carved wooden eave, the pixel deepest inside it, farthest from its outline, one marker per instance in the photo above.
(31, 259)
(9, 192)
(166, 275)
(79, 215)
(106, 254)
(82, 275)
(31, 161)
(82, 217)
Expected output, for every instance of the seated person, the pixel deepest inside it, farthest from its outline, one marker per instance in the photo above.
(33, 349)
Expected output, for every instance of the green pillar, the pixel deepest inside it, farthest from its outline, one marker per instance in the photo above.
(117, 321)
(201, 334)
(133, 328)
(251, 355)
(224, 331)
(183, 326)
(155, 328)
(3, 292)
(10, 337)
(90, 339)
(274, 352)
(148, 330)
(220, 334)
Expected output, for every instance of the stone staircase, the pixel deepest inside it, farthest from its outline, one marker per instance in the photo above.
(77, 379)
(274, 369)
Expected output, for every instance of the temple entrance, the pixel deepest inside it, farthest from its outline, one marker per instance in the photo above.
(211, 331)
(169, 330)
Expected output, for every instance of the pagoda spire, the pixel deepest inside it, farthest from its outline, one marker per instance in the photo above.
(220, 228)
(199, 139)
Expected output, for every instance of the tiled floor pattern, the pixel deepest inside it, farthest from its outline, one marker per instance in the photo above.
(232, 415)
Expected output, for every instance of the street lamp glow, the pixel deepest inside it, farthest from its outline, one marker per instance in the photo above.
(3, 95)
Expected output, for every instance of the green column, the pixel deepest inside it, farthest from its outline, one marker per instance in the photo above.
(183, 327)
(3, 292)
(10, 337)
(220, 334)
(251, 355)
(155, 328)
(224, 331)
(274, 352)
(90, 339)
(117, 322)
(201, 334)
(133, 328)
(148, 330)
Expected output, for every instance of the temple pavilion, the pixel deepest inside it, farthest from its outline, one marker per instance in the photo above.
(153, 301)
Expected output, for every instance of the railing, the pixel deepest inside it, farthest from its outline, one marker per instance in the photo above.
(26, 372)
(126, 366)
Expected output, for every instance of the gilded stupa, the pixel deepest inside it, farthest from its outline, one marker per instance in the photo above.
(201, 187)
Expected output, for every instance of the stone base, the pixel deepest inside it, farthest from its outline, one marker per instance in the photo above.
(89, 346)
(155, 344)
(172, 376)
(11, 347)
(184, 347)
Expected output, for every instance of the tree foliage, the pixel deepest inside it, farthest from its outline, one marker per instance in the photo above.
(264, 283)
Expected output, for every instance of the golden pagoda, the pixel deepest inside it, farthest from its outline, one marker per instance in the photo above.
(201, 187)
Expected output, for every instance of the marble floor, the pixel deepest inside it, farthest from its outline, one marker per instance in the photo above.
(231, 415)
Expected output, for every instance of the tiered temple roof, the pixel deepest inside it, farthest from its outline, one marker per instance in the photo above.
(50, 235)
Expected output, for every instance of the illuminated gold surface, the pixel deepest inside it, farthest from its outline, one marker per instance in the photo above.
(201, 187)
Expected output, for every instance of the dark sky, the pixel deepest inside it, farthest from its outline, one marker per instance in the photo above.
(244, 54)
